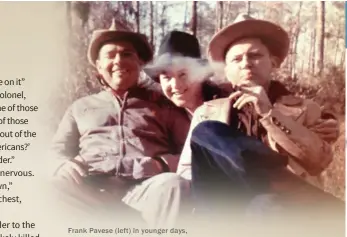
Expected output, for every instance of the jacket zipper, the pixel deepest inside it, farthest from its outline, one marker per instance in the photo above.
(120, 104)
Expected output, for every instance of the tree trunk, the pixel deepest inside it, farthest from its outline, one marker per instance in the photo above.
(219, 15)
(194, 18)
(151, 38)
(302, 68)
(288, 62)
(295, 43)
(228, 12)
(248, 7)
(313, 52)
(137, 16)
(320, 37)
(163, 19)
(337, 44)
(120, 8)
(343, 58)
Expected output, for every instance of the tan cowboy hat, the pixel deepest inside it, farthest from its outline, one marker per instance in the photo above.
(119, 32)
(274, 36)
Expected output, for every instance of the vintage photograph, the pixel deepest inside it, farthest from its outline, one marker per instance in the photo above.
(196, 115)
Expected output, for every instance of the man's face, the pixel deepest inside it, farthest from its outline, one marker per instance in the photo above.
(178, 88)
(248, 59)
(119, 65)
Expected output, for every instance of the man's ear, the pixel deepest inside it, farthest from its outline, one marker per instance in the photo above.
(141, 63)
(275, 61)
(97, 64)
(99, 77)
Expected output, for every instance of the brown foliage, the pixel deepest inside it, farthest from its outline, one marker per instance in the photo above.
(333, 178)
(327, 89)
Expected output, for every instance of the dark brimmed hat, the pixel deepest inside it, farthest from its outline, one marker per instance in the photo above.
(119, 32)
(182, 43)
(175, 44)
(273, 36)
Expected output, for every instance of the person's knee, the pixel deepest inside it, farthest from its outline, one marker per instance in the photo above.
(207, 131)
(170, 181)
(210, 127)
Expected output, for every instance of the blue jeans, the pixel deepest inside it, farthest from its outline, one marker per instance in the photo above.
(230, 170)
(235, 181)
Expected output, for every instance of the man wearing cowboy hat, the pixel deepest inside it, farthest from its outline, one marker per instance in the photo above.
(108, 142)
(238, 146)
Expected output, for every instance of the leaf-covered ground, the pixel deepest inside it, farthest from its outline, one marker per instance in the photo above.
(333, 179)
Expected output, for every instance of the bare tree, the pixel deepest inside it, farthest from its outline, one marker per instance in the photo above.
(163, 19)
(82, 10)
(320, 36)
(248, 7)
(219, 15)
(310, 62)
(339, 36)
(337, 45)
(343, 58)
(295, 40)
(313, 55)
(137, 16)
(231, 9)
(194, 18)
(151, 27)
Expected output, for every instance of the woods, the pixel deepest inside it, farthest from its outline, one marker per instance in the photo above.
(320, 37)
(316, 30)
(314, 67)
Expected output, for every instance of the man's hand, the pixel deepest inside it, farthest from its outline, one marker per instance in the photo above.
(327, 129)
(250, 93)
(72, 171)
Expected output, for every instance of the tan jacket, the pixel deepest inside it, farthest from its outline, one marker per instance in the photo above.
(125, 136)
(289, 127)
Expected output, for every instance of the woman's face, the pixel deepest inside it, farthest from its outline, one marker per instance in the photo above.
(179, 88)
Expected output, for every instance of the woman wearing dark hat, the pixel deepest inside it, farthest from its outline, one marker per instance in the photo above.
(184, 79)
(183, 75)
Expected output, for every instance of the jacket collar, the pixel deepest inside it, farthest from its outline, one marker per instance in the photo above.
(277, 90)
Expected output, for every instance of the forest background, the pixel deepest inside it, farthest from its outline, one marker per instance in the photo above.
(314, 68)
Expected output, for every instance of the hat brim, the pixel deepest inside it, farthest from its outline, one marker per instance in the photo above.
(158, 65)
(139, 41)
(167, 60)
(275, 38)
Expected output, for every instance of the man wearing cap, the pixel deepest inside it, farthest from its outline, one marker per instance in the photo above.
(108, 142)
(245, 151)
